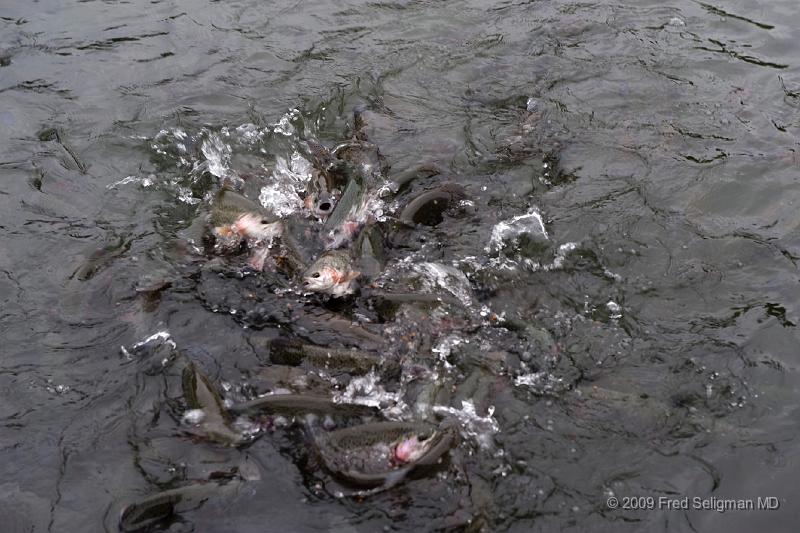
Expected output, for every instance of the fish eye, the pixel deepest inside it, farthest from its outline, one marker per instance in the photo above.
(315, 275)
(324, 206)
(264, 221)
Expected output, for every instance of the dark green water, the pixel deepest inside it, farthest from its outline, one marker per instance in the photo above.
(658, 142)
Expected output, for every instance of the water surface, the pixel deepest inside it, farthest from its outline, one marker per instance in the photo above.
(658, 143)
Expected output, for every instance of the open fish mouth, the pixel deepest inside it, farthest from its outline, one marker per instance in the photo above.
(323, 207)
(324, 204)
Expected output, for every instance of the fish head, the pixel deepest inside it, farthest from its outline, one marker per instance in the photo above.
(256, 227)
(321, 277)
(324, 277)
(319, 203)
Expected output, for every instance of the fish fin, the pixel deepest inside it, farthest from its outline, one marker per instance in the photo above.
(353, 274)
(225, 231)
(258, 258)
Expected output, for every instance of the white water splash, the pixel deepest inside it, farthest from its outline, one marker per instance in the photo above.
(217, 154)
(57, 389)
(185, 195)
(284, 125)
(193, 417)
(246, 427)
(614, 310)
(534, 266)
(162, 337)
(374, 207)
(249, 133)
(439, 276)
(145, 181)
(280, 196)
(367, 390)
(508, 232)
(445, 347)
(561, 256)
(479, 428)
(540, 382)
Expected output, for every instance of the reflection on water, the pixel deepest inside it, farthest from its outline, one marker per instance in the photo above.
(598, 200)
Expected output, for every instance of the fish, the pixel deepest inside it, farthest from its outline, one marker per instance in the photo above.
(410, 450)
(329, 177)
(156, 508)
(364, 170)
(228, 205)
(382, 453)
(235, 219)
(206, 406)
(370, 252)
(355, 362)
(323, 204)
(427, 390)
(160, 506)
(301, 404)
(256, 228)
(422, 170)
(95, 259)
(347, 217)
(364, 157)
(429, 207)
(323, 326)
(332, 273)
(57, 135)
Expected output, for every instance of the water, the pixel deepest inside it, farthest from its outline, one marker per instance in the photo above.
(658, 143)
